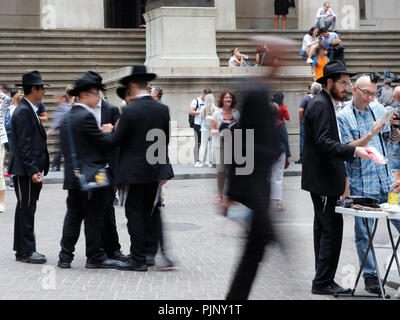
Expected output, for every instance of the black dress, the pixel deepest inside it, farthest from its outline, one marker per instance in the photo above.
(281, 7)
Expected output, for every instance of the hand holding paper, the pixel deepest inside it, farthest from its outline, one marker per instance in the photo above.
(376, 156)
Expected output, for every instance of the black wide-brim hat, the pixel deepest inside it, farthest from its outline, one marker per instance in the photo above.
(334, 67)
(32, 78)
(89, 80)
(121, 91)
(139, 72)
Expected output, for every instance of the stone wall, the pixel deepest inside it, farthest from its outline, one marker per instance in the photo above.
(20, 13)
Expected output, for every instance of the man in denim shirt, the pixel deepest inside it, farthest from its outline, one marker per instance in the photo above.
(358, 128)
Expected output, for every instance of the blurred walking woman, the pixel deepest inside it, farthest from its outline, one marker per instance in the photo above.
(225, 114)
(206, 113)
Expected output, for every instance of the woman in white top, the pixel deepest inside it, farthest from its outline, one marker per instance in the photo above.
(310, 43)
(206, 113)
(225, 113)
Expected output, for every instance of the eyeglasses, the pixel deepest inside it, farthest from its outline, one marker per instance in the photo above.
(368, 94)
(94, 93)
(344, 83)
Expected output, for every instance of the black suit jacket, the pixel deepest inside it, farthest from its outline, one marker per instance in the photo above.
(91, 145)
(138, 118)
(110, 114)
(29, 153)
(323, 154)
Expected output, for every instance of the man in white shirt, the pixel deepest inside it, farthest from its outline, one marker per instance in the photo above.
(326, 17)
(195, 107)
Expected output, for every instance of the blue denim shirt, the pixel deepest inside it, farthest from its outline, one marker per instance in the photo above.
(365, 176)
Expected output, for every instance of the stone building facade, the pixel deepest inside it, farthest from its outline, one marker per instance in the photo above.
(230, 14)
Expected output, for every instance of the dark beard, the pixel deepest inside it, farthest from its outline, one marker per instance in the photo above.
(335, 94)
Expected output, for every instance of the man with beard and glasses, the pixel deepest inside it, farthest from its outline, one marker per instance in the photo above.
(323, 173)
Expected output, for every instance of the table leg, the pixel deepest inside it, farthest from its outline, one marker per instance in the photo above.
(394, 255)
(370, 238)
(373, 254)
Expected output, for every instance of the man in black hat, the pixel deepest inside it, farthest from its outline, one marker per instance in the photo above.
(323, 173)
(29, 160)
(80, 131)
(136, 172)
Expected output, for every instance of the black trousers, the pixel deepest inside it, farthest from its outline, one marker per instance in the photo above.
(328, 234)
(153, 230)
(197, 141)
(90, 208)
(27, 194)
(138, 208)
(109, 234)
(261, 234)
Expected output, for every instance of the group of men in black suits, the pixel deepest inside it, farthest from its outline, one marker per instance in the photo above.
(94, 136)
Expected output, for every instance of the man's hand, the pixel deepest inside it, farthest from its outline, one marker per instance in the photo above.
(108, 127)
(362, 153)
(50, 132)
(396, 186)
(37, 177)
(375, 129)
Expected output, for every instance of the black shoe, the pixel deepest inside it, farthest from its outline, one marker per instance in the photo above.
(118, 255)
(132, 265)
(298, 161)
(166, 264)
(106, 264)
(64, 264)
(150, 260)
(332, 289)
(372, 285)
(35, 258)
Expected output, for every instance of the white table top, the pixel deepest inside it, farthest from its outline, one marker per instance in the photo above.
(368, 214)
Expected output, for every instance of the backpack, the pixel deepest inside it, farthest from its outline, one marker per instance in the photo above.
(7, 122)
(191, 117)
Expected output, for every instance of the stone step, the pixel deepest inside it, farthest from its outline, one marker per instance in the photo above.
(64, 51)
(22, 43)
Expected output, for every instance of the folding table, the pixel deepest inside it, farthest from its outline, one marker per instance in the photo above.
(376, 215)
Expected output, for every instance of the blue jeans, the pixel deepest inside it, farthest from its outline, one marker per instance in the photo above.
(301, 140)
(361, 235)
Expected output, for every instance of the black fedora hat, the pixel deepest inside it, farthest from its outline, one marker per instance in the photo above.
(334, 67)
(32, 78)
(139, 72)
(121, 92)
(90, 79)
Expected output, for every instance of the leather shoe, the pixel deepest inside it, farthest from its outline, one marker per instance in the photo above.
(132, 265)
(332, 289)
(150, 260)
(106, 264)
(35, 258)
(372, 285)
(118, 255)
(64, 264)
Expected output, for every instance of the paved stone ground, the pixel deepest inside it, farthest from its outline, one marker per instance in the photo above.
(205, 245)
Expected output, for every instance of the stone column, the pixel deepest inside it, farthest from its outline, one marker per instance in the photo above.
(181, 36)
(226, 14)
(72, 14)
(347, 12)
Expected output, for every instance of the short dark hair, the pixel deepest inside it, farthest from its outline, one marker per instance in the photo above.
(28, 89)
(206, 91)
(221, 96)
(312, 30)
(319, 48)
(142, 84)
(335, 76)
(323, 30)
